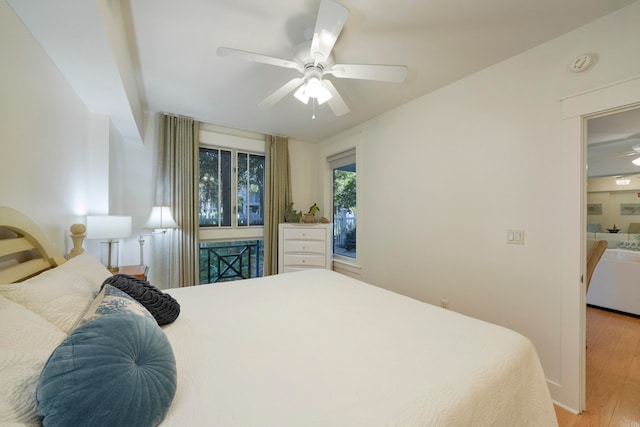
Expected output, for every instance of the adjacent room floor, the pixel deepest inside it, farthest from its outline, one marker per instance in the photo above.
(613, 372)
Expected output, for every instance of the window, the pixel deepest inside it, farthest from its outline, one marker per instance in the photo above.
(343, 177)
(218, 175)
(231, 214)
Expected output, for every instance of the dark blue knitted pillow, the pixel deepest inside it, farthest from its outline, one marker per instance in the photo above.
(117, 369)
(163, 307)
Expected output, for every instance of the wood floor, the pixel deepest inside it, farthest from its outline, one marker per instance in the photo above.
(613, 372)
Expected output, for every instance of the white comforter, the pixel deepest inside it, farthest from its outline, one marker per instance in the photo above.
(317, 348)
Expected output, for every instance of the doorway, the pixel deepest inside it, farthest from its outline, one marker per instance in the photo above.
(613, 188)
(576, 110)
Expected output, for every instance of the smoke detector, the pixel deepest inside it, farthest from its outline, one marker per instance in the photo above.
(582, 63)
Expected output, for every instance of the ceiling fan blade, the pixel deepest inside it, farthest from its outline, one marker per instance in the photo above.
(336, 103)
(331, 18)
(256, 57)
(276, 96)
(383, 73)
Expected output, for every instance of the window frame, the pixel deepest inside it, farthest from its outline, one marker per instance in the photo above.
(234, 143)
(336, 161)
(346, 142)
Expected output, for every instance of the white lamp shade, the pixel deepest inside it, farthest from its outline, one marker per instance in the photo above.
(108, 227)
(160, 218)
(301, 94)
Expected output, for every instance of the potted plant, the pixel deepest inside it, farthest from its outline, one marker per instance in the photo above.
(310, 217)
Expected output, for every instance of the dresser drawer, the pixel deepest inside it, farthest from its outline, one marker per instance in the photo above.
(292, 260)
(304, 233)
(305, 246)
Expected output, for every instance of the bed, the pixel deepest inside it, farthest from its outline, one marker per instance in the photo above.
(311, 348)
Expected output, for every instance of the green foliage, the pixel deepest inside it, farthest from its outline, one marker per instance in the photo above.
(350, 241)
(344, 190)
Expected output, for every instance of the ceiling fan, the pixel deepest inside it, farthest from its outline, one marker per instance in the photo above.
(314, 60)
(608, 150)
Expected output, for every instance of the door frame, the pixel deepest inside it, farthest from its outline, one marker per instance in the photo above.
(576, 110)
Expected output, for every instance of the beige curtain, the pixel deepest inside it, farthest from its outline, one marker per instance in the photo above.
(277, 197)
(178, 172)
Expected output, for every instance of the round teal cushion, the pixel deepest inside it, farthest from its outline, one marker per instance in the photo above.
(116, 370)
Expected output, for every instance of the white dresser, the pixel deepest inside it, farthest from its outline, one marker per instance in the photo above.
(303, 246)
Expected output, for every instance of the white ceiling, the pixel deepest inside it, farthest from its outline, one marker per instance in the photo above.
(163, 52)
(610, 141)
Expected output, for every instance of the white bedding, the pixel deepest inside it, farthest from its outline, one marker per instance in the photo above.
(316, 348)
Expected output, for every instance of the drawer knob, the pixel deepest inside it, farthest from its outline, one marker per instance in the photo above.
(304, 260)
(304, 247)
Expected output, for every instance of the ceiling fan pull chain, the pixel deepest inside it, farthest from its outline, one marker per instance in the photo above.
(313, 105)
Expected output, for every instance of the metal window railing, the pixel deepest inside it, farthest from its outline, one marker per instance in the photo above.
(226, 261)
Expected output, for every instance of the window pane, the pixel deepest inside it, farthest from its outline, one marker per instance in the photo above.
(256, 190)
(344, 210)
(215, 187)
(209, 187)
(225, 188)
(243, 189)
(250, 189)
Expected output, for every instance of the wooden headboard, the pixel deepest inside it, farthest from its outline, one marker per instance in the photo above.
(24, 249)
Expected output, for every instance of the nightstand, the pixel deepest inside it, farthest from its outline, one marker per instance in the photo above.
(139, 271)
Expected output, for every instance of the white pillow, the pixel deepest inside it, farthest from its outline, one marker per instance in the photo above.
(61, 295)
(87, 266)
(26, 342)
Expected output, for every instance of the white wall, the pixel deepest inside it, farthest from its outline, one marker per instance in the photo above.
(446, 175)
(304, 173)
(44, 142)
(133, 173)
(58, 161)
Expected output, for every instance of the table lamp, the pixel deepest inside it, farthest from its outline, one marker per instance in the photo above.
(109, 228)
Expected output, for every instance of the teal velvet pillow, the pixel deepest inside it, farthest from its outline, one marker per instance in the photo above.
(115, 369)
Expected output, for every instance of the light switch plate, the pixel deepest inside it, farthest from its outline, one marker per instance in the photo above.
(515, 237)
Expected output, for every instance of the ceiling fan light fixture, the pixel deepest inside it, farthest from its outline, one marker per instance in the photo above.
(323, 97)
(301, 94)
(313, 88)
(622, 180)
